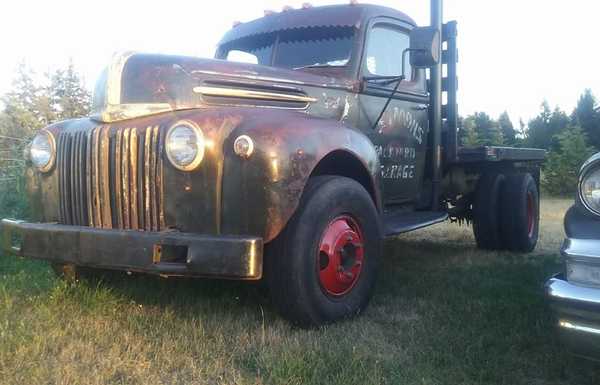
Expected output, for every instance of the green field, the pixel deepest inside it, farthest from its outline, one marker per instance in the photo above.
(443, 313)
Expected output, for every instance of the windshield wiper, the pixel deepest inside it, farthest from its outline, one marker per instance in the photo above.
(388, 80)
(384, 80)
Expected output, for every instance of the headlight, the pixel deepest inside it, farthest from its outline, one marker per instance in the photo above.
(589, 185)
(43, 151)
(185, 146)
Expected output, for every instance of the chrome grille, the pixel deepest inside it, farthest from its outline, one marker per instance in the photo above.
(111, 178)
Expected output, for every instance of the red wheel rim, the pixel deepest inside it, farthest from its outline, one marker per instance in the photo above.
(341, 255)
(530, 214)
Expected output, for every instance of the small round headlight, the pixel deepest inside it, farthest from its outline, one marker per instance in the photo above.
(589, 185)
(43, 151)
(185, 146)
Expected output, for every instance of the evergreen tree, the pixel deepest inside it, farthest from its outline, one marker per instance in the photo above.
(587, 116)
(506, 127)
(27, 107)
(521, 134)
(23, 109)
(561, 169)
(543, 130)
(18, 121)
(69, 97)
(486, 129)
(469, 137)
(522, 129)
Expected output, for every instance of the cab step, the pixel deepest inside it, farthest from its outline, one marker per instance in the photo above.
(398, 222)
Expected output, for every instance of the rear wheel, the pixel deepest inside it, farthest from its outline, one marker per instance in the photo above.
(486, 212)
(520, 213)
(322, 267)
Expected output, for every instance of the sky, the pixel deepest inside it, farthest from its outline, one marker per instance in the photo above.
(514, 54)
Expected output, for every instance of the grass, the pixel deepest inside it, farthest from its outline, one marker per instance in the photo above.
(444, 313)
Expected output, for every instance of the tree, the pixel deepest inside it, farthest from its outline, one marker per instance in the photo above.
(520, 135)
(587, 116)
(561, 169)
(522, 129)
(27, 108)
(543, 129)
(486, 130)
(506, 127)
(24, 111)
(69, 97)
(18, 121)
(468, 133)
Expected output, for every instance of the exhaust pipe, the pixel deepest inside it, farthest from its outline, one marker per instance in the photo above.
(436, 109)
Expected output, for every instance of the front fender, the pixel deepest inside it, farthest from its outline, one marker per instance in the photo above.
(261, 193)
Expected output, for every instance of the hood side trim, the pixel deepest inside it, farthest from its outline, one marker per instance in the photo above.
(252, 94)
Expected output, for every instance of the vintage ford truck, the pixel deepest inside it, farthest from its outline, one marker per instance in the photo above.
(293, 165)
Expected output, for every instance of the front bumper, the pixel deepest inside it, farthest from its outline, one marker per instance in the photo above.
(164, 253)
(577, 307)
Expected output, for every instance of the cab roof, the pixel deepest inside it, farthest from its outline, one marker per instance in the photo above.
(346, 15)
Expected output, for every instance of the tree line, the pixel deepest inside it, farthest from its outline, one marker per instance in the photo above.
(569, 138)
(33, 103)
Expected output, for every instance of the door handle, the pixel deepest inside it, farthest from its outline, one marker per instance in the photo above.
(420, 107)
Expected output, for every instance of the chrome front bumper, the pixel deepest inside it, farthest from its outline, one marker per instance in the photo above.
(577, 307)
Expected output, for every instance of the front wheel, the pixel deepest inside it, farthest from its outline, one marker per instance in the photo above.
(322, 267)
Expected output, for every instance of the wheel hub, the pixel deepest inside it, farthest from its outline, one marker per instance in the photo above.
(341, 256)
(530, 214)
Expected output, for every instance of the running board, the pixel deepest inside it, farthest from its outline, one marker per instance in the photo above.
(395, 223)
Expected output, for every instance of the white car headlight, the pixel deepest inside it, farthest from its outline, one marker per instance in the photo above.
(43, 151)
(185, 145)
(589, 184)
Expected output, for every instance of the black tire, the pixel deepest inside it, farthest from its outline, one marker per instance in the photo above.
(520, 213)
(295, 263)
(486, 211)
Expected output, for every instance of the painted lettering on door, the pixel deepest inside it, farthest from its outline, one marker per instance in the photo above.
(396, 118)
(397, 161)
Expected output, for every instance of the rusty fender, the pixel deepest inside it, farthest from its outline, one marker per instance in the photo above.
(262, 192)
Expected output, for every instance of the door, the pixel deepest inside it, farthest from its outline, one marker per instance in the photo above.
(400, 136)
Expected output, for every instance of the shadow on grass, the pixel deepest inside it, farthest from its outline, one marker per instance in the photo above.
(186, 297)
(438, 316)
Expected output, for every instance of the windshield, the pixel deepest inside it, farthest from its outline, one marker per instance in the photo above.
(293, 49)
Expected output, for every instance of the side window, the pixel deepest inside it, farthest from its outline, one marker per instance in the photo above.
(384, 52)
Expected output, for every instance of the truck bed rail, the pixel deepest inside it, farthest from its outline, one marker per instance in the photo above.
(499, 154)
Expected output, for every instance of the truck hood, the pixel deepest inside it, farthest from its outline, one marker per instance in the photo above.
(138, 84)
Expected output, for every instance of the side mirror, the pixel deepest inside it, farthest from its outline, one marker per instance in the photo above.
(425, 47)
